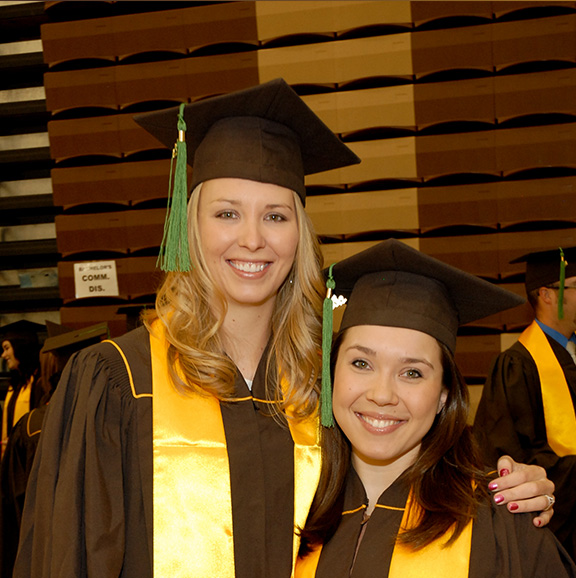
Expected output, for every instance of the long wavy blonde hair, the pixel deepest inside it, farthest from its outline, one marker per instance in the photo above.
(185, 304)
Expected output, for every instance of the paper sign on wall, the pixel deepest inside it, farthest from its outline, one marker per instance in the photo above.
(96, 279)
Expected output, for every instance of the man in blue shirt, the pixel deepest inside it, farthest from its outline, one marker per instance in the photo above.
(527, 409)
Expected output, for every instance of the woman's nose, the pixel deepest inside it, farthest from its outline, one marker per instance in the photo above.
(251, 235)
(382, 391)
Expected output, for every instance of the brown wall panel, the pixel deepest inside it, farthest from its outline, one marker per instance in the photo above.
(95, 87)
(476, 254)
(456, 153)
(166, 80)
(355, 110)
(454, 48)
(354, 213)
(62, 41)
(91, 232)
(465, 100)
(117, 231)
(535, 93)
(123, 183)
(458, 205)
(475, 353)
(536, 200)
(534, 147)
(533, 40)
(210, 75)
(426, 11)
(514, 245)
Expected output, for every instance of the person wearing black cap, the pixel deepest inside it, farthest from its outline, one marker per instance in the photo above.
(20, 350)
(179, 458)
(528, 403)
(189, 446)
(61, 343)
(403, 489)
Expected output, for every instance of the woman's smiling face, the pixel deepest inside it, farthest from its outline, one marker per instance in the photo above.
(8, 355)
(388, 389)
(249, 236)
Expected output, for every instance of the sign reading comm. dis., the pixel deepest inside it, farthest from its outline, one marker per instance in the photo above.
(96, 279)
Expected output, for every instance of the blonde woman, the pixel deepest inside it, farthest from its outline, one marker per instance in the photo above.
(189, 447)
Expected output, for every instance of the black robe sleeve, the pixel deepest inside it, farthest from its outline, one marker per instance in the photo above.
(511, 546)
(16, 467)
(85, 511)
(510, 420)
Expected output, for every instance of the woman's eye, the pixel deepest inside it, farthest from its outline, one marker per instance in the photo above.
(412, 373)
(276, 217)
(360, 364)
(226, 215)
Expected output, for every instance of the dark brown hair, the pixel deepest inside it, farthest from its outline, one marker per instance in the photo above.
(448, 456)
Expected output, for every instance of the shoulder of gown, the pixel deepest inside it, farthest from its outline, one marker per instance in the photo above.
(89, 494)
(509, 545)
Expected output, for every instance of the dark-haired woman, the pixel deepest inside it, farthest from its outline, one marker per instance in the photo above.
(22, 358)
(402, 490)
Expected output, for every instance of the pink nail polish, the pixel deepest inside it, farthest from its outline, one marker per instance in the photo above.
(492, 486)
(504, 472)
(513, 507)
(499, 498)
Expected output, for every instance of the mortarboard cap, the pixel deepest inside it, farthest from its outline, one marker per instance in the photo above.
(63, 339)
(544, 267)
(265, 133)
(392, 284)
(23, 330)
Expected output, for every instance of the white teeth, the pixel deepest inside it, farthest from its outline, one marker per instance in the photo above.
(379, 423)
(248, 267)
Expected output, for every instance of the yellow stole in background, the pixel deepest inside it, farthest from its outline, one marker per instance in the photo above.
(433, 561)
(193, 534)
(556, 399)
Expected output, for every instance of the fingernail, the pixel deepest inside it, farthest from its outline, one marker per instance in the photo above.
(492, 486)
(498, 498)
(504, 472)
(538, 523)
(513, 507)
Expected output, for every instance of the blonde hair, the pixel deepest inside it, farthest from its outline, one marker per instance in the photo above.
(185, 306)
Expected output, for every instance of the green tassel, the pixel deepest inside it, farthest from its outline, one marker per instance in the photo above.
(174, 251)
(561, 288)
(326, 417)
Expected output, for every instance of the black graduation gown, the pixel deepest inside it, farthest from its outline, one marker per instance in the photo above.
(510, 420)
(89, 509)
(503, 545)
(16, 467)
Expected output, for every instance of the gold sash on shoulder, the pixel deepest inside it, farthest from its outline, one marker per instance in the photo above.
(556, 399)
(433, 561)
(192, 495)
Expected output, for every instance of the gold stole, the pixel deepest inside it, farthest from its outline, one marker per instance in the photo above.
(21, 407)
(192, 495)
(433, 561)
(556, 399)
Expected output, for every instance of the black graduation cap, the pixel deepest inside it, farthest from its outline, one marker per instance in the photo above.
(23, 330)
(63, 340)
(545, 267)
(265, 133)
(394, 285)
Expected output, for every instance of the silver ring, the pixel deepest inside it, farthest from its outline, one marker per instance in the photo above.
(551, 500)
